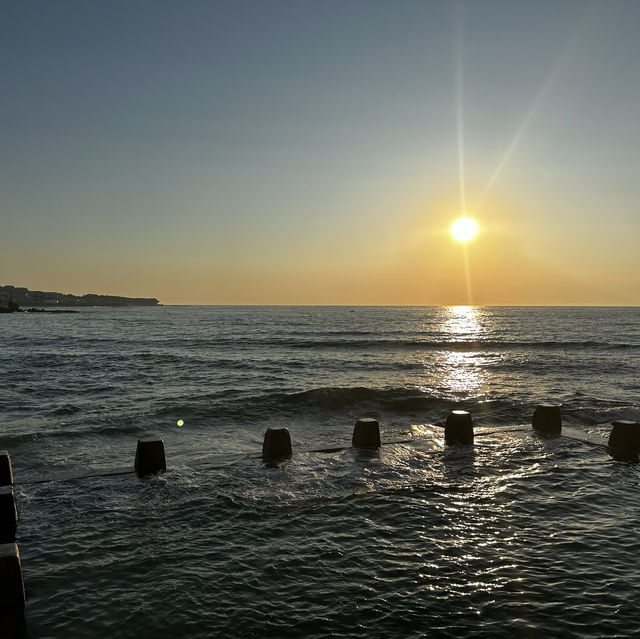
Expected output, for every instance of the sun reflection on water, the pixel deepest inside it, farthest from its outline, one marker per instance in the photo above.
(459, 368)
(461, 322)
(478, 551)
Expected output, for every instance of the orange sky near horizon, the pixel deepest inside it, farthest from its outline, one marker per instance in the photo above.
(413, 264)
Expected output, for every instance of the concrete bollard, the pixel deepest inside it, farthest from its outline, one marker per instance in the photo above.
(8, 515)
(458, 428)
(13, 624)
(6, 473)
(624, 440)
(11, 584)
(277, 443)
(150, 457)
(547, 419)
(366, 433)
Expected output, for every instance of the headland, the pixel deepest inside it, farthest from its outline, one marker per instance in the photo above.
(12, 298)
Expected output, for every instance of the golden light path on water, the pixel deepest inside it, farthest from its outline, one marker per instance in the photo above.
(458, 370)
(473, 486)
(472, 491)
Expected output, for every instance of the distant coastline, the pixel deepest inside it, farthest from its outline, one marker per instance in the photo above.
(14, 297)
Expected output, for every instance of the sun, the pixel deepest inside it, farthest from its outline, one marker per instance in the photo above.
(464, 229)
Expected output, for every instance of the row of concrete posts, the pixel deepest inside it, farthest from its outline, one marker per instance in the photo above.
(624, 443)
(624, 440)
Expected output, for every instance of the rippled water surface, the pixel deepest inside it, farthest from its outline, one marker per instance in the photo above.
(517, 536)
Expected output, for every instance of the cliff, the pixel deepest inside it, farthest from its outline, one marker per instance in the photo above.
(24, 297)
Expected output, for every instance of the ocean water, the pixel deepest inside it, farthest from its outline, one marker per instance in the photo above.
(516, 536)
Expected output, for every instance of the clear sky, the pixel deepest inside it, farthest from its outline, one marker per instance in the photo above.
(317, 152)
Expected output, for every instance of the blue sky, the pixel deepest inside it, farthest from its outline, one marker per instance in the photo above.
(316, 152)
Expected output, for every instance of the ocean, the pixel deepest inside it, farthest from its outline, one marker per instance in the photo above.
(519, 535)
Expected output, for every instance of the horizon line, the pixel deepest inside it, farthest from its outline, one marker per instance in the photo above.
(415, 305)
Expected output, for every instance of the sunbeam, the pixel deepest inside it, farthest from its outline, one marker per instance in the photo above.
(458, 44)
(467, 274)
(549, 80)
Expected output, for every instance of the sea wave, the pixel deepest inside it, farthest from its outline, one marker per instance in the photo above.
(456, 344)
(399, 404)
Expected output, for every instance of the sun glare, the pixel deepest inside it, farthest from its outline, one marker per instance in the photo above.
(464, 229)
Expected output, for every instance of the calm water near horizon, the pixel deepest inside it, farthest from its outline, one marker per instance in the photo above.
(517, 536)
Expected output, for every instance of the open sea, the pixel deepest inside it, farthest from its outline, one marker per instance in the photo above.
(519, 535)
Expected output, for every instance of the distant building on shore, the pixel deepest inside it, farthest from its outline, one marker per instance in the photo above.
(24, 297)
